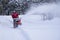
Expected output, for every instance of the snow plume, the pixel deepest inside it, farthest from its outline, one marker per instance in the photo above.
(48, 11)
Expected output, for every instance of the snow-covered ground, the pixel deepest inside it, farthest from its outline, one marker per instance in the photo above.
(33, 27)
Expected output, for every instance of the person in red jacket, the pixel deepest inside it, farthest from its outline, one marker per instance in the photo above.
(16, 19)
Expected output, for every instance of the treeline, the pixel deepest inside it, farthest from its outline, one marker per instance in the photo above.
(7, 6)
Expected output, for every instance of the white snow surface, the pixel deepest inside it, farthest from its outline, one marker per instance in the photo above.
(32, 28)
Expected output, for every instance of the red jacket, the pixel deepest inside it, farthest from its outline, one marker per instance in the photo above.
(14, 15)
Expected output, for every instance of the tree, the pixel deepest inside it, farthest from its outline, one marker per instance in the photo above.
(1, 8)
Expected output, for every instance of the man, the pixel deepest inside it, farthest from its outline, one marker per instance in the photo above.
(16, 19)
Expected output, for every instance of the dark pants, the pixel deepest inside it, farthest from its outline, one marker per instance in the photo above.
(14, 23)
